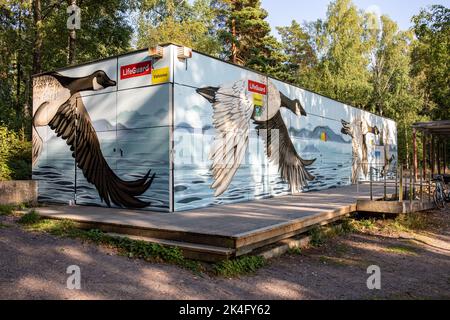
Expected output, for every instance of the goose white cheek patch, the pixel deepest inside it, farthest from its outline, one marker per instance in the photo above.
(96, 85)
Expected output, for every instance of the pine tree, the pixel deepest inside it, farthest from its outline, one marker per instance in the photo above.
(247, 39)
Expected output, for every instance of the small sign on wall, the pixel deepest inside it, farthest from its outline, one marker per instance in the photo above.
(160, 75)
(135, 70)
(257, 87)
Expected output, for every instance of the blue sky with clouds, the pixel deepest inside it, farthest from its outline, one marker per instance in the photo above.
(282, 12)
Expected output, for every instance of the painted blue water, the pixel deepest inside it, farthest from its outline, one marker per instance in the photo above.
(55, 170)
(332, 168)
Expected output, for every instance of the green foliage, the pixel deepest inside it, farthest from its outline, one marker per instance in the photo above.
(247, 40)
(183, 23)
(298, 46)
(239, 266)
(319, 235)
(15, 155)
(295, 251)
(342, 43)
(411, 221)
(6, 209)
(29, 218)
(407, 250)
(430, 59)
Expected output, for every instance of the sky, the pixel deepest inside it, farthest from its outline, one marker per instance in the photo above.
(282, 12)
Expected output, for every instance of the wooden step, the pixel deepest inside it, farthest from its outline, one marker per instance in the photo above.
(393, 207)
(193, 251)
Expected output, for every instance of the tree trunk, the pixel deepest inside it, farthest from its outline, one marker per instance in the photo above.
(37, 51)
(233, 43)
(19, 70)
(72, 40)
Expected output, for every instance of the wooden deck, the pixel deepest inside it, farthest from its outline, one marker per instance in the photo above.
(220, 232)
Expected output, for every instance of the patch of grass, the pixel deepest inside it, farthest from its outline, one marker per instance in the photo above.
(10, 209)
(127, 247)
(7, 209)
(239, 266)
(319, 235)
(363, 225)
(411, 221)
(295, 251)
(29, 218)
(333, 261)
(402, 250)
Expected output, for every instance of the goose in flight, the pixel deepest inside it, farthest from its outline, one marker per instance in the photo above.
(358, 131)
(60, 106)
(233, 112)
(388, 157)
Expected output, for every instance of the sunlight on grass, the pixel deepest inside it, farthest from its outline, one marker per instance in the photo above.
(402, 250)
(239, 266)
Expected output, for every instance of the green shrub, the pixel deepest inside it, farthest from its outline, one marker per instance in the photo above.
(30, 218)
(6, 209)
(15, 155)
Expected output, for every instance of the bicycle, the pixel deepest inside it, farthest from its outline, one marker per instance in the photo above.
(441, 195)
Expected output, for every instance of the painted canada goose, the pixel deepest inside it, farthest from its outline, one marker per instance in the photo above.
(388, 157)
(62, 109)
(358, 131)
(233, 113)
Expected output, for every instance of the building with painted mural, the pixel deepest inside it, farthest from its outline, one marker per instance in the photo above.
(172, 129)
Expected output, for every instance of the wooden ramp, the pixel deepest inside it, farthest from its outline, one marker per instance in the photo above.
(224, 231)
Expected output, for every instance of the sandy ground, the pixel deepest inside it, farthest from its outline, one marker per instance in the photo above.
(33, 266)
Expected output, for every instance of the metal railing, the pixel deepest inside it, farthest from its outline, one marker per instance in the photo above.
(402, 177)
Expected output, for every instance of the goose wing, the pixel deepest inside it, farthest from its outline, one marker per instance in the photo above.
(232, 112)
(46, 89)
(281, 152)
(73, 124)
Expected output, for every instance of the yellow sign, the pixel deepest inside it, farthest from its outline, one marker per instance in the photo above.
(160, 75)
(258, 99)
(323, 136)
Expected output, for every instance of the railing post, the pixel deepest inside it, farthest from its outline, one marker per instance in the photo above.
(370, 173)
(411, 189)
(411, 184)
(421, 185)
(396, 180)
(400, 191)
(429, 188)
(384, 195)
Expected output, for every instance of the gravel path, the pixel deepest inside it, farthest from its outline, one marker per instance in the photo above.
(33, 266)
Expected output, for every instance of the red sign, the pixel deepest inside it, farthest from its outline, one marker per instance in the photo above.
(135, 70)
(257, 87)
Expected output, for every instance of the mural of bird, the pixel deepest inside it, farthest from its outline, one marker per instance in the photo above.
(233, 112)
(358, 131)
(61, 107)
(388, 156)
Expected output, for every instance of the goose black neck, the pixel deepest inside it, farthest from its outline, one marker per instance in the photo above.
(74, 84)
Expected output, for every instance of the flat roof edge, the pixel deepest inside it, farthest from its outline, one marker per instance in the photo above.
(165, 44)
